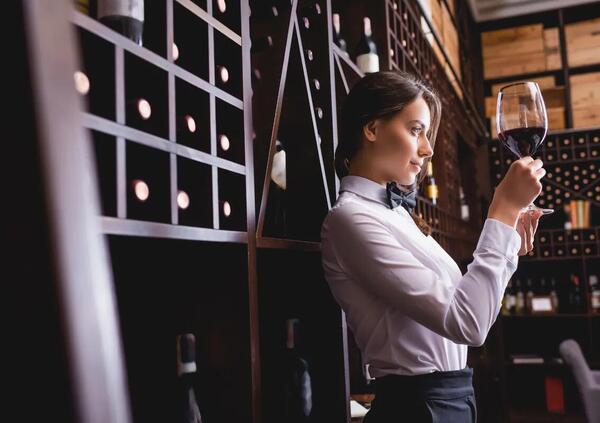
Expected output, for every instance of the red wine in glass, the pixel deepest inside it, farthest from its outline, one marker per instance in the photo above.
(521, 122)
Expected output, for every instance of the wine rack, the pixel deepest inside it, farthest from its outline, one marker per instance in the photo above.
(170, 123)
(571, 159)
(142, 96)
(572, 162)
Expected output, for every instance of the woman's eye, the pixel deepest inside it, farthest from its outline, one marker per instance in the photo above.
(416, 130)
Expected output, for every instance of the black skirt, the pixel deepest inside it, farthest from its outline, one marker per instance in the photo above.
(437, 397)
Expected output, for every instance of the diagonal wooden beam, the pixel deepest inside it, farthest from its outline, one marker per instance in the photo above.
(341, 71)
(312, 112)
(276, 119)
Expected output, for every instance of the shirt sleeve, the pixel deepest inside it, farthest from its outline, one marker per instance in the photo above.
(366, 251)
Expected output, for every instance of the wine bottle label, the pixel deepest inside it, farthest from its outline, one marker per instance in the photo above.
(131, 8)
(83, 6)
(368, 63)
(432, 191)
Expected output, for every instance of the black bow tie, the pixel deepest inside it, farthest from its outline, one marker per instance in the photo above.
(396, 197)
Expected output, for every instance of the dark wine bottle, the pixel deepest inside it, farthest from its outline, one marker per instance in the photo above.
(575, 298)
(367, 58)
(520, 298)
(464, 206)
(594, 294)
(529, 296)
(337, 37)
(431, 188)
(553, 295)
(298, 387)
(188, 410)
(124, 16)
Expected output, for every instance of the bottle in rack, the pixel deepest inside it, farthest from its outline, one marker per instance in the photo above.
(519, 298)
(512, 299)
(464, 206)
(507, 301)
(298, 385)
(431, 188)
(575, 299)
(337, 36)
(553, 295)
(528, 295)
(188, 410)
(367, 58)
(83, 6)
(594, 294)
(124, 16)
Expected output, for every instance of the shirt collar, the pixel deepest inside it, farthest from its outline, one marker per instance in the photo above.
(366, 188)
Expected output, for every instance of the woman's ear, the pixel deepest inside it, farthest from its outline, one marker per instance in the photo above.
(370, 130)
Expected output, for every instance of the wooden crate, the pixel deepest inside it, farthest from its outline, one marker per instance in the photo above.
(586, 117)
(583, 42)
(516, 64)
(552, 49)
(585, 90)
(520, 50)
(556, 118)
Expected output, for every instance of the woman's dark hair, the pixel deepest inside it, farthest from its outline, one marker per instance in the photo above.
(381, 95)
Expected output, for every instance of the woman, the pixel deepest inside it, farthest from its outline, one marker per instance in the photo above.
(411, 310)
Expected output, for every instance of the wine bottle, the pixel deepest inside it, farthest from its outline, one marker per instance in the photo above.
(431, 188)
(528, 296)
(82, 82)
(594, 294)
(124, 16)
(188, 410)
(337, 37)
(512, 299)
(367, 59)
(298, 388)
(505, 310)
(83, 6)
(140, 190)
(183, 199)
(575, 300)
(278, 169)
(261, 44)
(553, 295)
(464, 206)
(520, 299)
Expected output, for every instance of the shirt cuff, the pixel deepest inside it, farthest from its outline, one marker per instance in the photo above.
(503, 238)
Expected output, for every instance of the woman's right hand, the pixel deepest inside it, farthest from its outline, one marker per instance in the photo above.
(519, 187)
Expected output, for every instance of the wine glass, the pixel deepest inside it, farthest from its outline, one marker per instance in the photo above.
(522, 123)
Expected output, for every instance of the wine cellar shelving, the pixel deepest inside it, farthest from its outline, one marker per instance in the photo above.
(571, 157)
(170, 122)
(214, 143)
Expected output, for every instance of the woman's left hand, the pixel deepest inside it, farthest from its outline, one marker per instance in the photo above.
(526, 226)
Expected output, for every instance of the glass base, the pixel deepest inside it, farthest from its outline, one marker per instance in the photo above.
(532, 208)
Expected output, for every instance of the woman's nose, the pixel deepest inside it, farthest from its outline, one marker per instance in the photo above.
(425, 149)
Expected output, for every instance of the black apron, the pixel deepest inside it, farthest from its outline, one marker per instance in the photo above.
(437, 397)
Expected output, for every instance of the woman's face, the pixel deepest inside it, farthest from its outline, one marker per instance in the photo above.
(399, 145)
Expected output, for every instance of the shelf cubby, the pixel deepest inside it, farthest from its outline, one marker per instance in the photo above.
(194, 204)
(146, 105)
(192, 116)
(148, 176)
(98, 65)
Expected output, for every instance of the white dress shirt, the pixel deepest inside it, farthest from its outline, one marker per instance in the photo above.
(409, 306)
